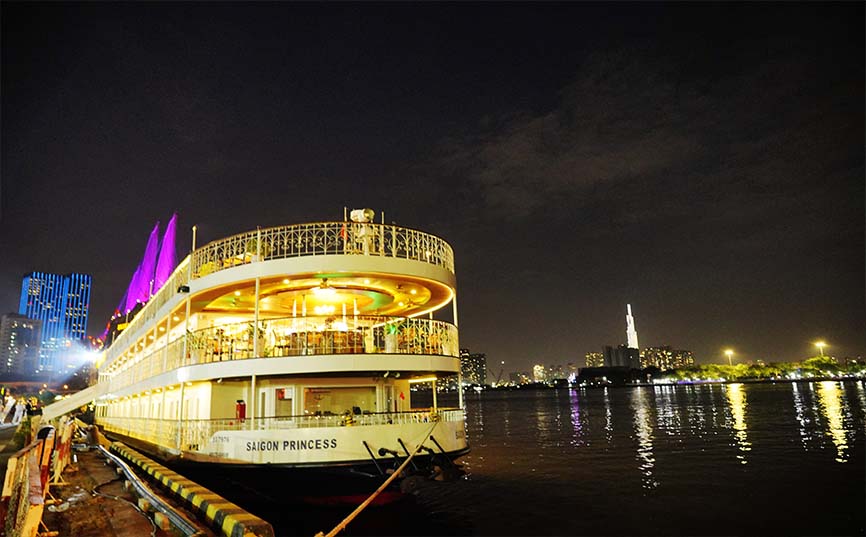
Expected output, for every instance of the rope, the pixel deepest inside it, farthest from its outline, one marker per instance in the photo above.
(342, 525)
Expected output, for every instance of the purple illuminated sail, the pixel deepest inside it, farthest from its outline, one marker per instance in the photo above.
(139, 287)
(132, 290)
(148, 266)
(167, 255)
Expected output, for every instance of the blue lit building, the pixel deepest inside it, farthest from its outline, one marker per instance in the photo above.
(61, 302)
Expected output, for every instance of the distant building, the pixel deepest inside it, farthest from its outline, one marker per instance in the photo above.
(665, 357)
(473, 366)
(555, 371)
(594, 359)
(539, 373)
(621, 356)
(61, 303)
(630, 330)
(19, 345)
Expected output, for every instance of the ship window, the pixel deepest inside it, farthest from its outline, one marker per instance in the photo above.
(327, 401)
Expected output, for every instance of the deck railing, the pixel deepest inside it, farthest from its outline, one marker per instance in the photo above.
(194, 435)
(300, 240)
(321, 238)
(291, 336)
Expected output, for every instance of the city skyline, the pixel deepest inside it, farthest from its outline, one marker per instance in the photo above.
(577, 158)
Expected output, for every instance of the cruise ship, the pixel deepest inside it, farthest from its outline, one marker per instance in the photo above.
(300, 346)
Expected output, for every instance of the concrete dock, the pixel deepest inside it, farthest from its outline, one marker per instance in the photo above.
(84, 513)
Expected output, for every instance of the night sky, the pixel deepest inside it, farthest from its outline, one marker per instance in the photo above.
(703, 162)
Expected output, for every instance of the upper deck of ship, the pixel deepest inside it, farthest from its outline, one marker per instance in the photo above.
(316, 288)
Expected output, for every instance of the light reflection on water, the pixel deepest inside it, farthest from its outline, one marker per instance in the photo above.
(608, 421)
(576, 419)
(800, 413)
(644, 431)
(669, 453)
(831, 399)
(737, 400)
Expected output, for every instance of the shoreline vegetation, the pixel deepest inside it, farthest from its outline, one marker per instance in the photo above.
(815, 369)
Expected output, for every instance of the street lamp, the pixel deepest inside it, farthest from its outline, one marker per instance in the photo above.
(729, 353)
(820, 345)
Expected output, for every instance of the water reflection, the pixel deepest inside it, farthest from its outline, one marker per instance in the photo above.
(737, 400)
(667, 407)
(831, 399)
(861, 394)
(576, 424)
(544, 425)
(800, 413)
(644, 432)
(608, 421)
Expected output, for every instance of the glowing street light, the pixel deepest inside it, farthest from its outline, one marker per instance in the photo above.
(820, 345)
(729, 353)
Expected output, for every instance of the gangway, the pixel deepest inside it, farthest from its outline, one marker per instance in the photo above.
(74, 401)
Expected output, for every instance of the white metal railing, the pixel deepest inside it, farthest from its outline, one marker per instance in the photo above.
(195, 434)
(292, 336)
(300, 240)
(321, 238)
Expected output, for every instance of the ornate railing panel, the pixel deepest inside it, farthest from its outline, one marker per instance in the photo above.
(322, 238)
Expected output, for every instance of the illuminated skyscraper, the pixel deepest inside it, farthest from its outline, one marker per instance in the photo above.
(473, 366)
(666, 357)
(594, 359)
(61, 303)
(630, 331)
(19, 345)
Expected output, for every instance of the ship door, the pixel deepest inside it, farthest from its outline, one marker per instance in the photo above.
(262, 410)
(275, 403)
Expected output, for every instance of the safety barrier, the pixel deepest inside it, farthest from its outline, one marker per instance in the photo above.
(26, 485)
(62, 448)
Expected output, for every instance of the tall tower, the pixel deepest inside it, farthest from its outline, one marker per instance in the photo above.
(630, 331)
(61, 303)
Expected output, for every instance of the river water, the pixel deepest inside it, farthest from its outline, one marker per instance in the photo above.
(721, 459)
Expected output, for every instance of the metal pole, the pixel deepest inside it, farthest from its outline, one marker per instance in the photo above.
(253, 401)
(256, 321)
(460, 365)
(180, 418)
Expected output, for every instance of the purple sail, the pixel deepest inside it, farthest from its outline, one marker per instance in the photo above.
(148, 267)
(139, 287)
(132, 290)
(167, 255)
